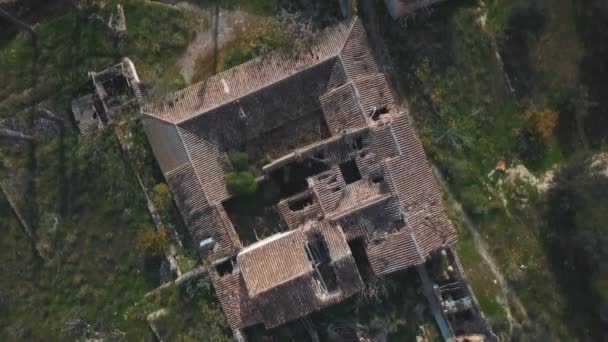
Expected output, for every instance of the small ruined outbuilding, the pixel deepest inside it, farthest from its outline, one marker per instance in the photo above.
(375, 195)
(112, 90)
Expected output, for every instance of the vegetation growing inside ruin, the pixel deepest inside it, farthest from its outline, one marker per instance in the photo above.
(241, 181)
(388, 307)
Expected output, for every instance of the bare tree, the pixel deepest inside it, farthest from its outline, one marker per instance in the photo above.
(47, 114)
(13, 136)
(22, 26)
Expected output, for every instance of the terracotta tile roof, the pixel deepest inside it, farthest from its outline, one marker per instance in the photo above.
(301, 294)
(274, 261)
(392, 202)
(342, 109)
(204, 220)
(248, 77)
(413, 182)
(300, 297)
(373, 92)
(392, 253)
(232, 293)
(166, 143)
(297, 217)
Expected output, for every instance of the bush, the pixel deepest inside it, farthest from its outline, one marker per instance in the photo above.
(241, 183)
(239, 160)
(259, 40)
(476, 201)
(151, 240)
(541, 122)
(161, 197)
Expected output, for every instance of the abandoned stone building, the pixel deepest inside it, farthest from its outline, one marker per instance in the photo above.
(369, 190)
(111, 90)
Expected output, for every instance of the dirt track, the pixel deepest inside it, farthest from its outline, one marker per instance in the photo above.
(214, 29)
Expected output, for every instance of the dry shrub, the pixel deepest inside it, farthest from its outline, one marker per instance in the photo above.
(150, 240)
(541, 122)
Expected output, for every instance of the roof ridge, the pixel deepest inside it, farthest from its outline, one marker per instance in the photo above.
(353, 22)
(198, 178)
(318, 44)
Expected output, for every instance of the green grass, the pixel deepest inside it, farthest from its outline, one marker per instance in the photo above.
(480, 278)
(71, 46)
(194, 313)
(468, 120)
(262, 38)
(91, 268)
(490, 306)
(89, 253)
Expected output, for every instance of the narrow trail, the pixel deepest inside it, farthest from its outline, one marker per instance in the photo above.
(482, 248)
(215, 28)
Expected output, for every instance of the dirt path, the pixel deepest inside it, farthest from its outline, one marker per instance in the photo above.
(214, 28)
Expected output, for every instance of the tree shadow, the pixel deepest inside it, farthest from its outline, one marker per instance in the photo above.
(524, 25)
(574, 243)
(592, 28)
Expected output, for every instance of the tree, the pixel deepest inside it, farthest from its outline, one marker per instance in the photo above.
(22, 26)
(541, 122)
(576, 235)
(151, 240)
(241, 183)
(12, 136)
(242, 180)
(239, 160)
(45, 113)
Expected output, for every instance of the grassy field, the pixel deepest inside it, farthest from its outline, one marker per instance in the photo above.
(80, 195)
(470, 118)
(88, 251)
(194, 313)
(85, 204)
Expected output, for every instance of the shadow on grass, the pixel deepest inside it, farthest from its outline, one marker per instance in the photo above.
(576, 244)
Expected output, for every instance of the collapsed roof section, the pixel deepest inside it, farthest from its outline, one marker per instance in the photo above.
(376, 185)
(114, 89)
